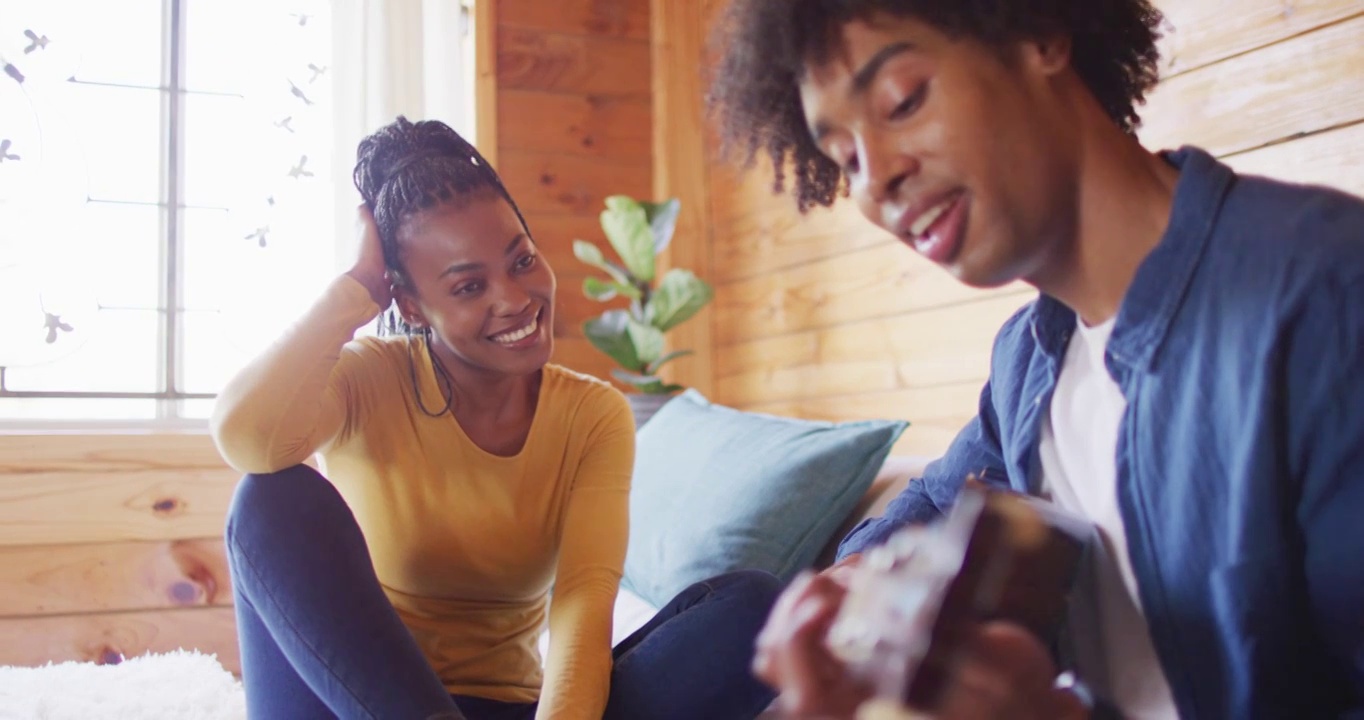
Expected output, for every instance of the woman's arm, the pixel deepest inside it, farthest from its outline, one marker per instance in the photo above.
(591, 557)
(293, 399)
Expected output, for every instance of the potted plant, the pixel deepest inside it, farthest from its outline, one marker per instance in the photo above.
(639, 231)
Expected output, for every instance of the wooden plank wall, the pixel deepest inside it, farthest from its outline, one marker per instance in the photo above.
(574, 125)
(111, 545)
(828, 317)
(681, 170)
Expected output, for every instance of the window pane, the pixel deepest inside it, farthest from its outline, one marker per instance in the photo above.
(230, 174)
(260, 238)
(241, 296)
(76, 409)
(111, 41)
(90, 141)
(111, 351)
(284, 38)
(196, 409)
(211, 356)
(46, 314)
(117, 248)
(119, 134)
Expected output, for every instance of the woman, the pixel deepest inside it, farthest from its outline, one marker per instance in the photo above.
(464, 477)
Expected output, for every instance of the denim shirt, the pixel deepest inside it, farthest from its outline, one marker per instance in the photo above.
(1240, 461)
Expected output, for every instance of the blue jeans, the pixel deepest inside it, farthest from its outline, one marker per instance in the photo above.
(319, 638)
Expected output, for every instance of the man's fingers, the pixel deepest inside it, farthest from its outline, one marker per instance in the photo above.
(1004, 671)
(1016, 654)
(800, 662)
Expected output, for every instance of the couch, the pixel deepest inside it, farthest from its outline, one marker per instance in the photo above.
(894, 476)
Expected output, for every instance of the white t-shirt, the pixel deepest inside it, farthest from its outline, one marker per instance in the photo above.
(1079, 473)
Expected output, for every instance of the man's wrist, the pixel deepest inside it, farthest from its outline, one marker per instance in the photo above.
(1099, 708)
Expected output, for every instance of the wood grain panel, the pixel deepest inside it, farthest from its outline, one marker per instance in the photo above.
(923, 349)
(534, 60)
(610, 18)
(1334, 158)
(65, 579)
(588, 125)
(936, 414)
(764, 233)
(554, 235)
(105, 638)
(1307, 84)
(485, 80)
(681, 171)
(563, 184)
(100, 488)
(883, 280)
(80, 507)
(1205, 31)
(556, 232)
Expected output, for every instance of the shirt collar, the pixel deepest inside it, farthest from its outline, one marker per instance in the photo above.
(1163, 278)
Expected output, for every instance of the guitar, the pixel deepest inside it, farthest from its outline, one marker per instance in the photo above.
(914, 601)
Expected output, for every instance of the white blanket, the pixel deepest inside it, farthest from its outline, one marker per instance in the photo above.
(175, 686)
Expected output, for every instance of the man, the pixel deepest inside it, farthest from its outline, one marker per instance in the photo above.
(1189, 378)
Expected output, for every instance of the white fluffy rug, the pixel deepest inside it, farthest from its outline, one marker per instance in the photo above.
(175, 686)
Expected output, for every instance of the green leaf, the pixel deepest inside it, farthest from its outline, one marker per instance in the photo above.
(626, 225)
(662, 221)
(648, 341)
(610, 334)
(592, 255)
(679, 296)
(602, 291)
(658, 364)
(599, 290)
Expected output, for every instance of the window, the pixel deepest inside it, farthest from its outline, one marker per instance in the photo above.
(167, 197)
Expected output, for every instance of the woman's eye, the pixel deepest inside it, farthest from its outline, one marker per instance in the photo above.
(467, 288)
(911, 103)
(525, 262)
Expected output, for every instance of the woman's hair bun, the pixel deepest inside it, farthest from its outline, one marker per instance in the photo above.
(400, 145)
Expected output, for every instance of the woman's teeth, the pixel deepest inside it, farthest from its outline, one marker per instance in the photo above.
(512, 336)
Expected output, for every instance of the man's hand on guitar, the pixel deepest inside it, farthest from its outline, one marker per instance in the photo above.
(793, 658)
(1005, 672)
(920, 619)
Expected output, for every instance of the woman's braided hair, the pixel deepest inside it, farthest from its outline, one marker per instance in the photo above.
(406, 167)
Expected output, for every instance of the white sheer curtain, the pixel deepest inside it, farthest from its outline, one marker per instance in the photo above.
(390, 58)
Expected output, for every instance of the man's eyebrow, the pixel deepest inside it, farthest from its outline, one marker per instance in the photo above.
(862, 79)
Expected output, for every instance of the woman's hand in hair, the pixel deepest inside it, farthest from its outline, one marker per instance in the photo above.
(369, 269)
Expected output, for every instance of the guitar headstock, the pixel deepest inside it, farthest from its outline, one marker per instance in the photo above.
(913, 601)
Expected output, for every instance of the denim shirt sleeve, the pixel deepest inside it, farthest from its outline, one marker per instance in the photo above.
(1325, 402)
(975, 451)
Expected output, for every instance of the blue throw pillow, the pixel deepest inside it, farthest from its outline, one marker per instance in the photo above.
(716, 490)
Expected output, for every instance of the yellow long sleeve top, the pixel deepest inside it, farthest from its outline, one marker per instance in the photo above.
(466, 544)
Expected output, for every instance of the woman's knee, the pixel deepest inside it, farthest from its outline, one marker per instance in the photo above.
(757, 587)
(275, 499)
